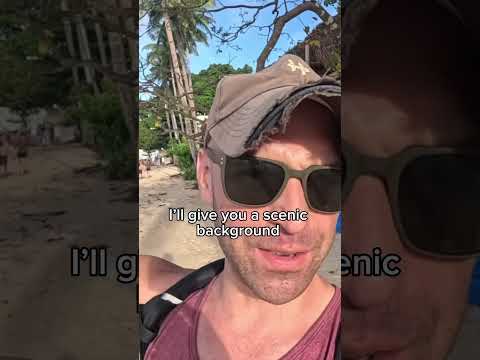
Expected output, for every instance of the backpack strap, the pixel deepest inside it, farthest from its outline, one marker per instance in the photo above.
(338, 353)
(154, 312)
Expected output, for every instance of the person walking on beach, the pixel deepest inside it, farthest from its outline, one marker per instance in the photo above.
(22, 151)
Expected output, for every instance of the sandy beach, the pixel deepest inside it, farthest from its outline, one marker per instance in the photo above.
(45, 313)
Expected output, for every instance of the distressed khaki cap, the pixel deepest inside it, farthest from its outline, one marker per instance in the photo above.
(355, 14)
(249, 107)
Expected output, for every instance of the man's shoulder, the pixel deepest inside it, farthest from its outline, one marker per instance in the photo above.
(157, 275)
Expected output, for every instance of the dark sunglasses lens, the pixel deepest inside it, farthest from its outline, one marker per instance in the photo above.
(251, 181)
(324, 189)
(439, 204)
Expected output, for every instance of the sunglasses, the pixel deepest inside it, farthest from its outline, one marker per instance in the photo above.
(434, 194)
(257, 182)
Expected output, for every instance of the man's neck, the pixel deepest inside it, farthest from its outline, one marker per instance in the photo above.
(233, 299)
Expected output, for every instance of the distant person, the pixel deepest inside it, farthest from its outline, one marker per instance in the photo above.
(46, 131)
(148, 165)
(22, 151)
(144, 168)
(41, 133)
(272, 144)
(141, 168)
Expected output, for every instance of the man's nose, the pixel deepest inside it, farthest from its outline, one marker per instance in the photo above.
(368, 224)
(290, 199)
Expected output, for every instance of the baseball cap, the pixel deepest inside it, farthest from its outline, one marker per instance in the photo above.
(355, 14)
(249, 107)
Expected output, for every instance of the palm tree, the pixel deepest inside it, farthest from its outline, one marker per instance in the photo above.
(69, 38)
(84, 46)
(161, 72)
(118, 63)
(183, 28)
(189, 30)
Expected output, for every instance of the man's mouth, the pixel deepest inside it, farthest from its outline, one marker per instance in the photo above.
(283, 254)
(282, 259)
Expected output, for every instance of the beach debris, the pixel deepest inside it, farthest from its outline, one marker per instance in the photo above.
(88, 169)
(58, 238)
(44, 214)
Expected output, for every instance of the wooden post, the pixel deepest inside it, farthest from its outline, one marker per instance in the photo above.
(307, 54)
(169, 127)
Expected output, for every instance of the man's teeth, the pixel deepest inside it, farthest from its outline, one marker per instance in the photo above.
(283, 254)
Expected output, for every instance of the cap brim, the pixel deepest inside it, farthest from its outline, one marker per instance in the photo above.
(235, 134)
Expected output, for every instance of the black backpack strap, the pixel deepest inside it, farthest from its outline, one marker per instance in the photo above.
(154, 312)
(338, 353)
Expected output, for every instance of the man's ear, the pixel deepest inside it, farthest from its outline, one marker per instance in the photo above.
(204, 177)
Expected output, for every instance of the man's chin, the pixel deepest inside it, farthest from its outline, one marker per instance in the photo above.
(278, 295)
(280, 288)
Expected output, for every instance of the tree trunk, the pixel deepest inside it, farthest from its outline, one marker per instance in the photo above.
(175, 63)
(189, 76)
(100, 40)
(132, 27)
(173, 120)
(128, 95)
(169, 126)
(281, 21)
(85, 53)
(189, 80)
(174, 87)
(188, 89)
(178, 78)
(175, 125)
(182, 123)
(67, 25)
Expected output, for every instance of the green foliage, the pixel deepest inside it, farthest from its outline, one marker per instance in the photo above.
(150, 137)
(181, 151)
(31, 81)
(190, 27)
(205, 83)
(337, 62)
(104, 113)
(331, 2)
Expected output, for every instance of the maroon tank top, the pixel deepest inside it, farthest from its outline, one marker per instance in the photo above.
(177, 338)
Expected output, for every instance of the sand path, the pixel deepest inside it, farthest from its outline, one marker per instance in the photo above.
(45, 313)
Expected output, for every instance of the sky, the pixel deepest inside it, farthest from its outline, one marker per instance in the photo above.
(251, 43)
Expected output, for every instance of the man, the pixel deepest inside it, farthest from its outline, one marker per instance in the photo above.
(410, 121)
(142, 168)
(271, 144)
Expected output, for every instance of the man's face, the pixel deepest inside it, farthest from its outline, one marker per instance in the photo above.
(399, 92)
(308, 141)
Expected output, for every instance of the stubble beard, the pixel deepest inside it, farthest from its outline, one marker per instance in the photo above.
(276, 288)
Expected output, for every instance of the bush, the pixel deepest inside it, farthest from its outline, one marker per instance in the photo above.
(150, 135)
(182, 151)
(104, 113)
